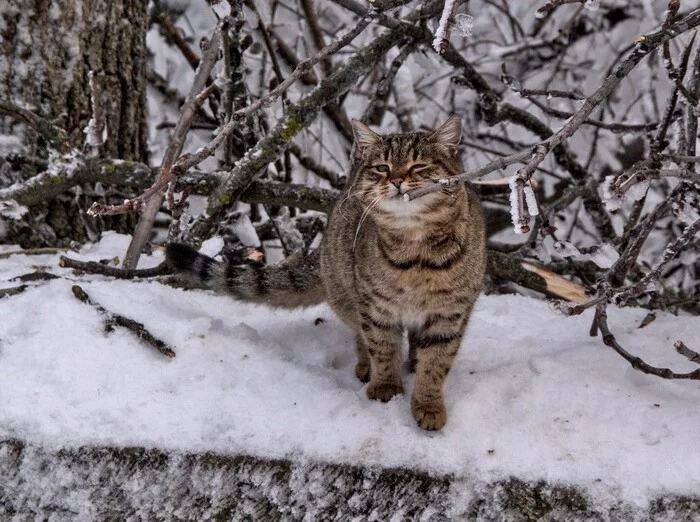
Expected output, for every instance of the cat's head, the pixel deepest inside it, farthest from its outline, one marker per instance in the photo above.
(393, 164)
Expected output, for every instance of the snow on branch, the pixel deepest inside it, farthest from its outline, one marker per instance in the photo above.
(444, 30)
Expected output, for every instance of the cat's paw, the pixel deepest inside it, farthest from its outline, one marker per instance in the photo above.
(384, 391)
(429, 416)
(362, 371)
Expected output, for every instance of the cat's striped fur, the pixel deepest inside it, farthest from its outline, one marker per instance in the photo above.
(385, 265)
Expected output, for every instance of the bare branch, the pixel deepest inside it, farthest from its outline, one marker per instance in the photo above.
(601, 319)
(654, 274)
(56, 136)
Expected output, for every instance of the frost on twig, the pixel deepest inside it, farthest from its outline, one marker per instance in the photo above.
(96, 129)
(444, 30)
(523, 204)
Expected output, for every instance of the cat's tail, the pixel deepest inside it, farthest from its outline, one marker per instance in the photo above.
(293, 283)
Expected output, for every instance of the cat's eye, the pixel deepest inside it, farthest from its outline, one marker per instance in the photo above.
(381, 168)
(418, 166)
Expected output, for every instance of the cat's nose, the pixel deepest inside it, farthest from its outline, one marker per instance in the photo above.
(397, 182)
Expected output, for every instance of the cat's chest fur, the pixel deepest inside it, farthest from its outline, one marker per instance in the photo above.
(407, 276)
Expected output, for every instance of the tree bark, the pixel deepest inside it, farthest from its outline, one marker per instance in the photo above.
(49, 51)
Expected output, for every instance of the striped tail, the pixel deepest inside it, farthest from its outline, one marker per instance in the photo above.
(293, 283)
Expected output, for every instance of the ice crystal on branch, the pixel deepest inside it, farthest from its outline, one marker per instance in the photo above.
(464, 24)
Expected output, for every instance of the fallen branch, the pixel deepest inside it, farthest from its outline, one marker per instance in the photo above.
(682, 349)
(35, 276)
(112, 320)
(93, 267)
(9, 292)
(32, 252)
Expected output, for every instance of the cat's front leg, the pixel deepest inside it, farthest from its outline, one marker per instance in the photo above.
(383, 343)
(435, 346)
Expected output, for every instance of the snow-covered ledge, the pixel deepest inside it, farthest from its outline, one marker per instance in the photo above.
(104, 483)
(261, 404)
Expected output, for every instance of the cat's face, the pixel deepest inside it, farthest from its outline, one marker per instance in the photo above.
(392, 165)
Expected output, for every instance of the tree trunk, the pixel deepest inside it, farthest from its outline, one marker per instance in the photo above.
(49, 51)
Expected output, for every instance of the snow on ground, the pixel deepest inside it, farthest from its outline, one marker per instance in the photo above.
(530, 395)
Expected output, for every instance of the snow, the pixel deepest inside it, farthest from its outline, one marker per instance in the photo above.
(603, 255)
(592, 5)
(516, 207)
(10, 209)
(530, 395)
(531, 201)
(440, 32)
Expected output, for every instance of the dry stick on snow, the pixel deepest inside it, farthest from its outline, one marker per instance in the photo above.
(682, 349)
(32, 252)
(9, 292)
(35, 276)
(112, 320)
(93, 267)
(601, 321)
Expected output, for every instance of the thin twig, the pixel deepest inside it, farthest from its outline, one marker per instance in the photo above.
(112, 320)
(32, 252)
(56, 136)
(654, 274)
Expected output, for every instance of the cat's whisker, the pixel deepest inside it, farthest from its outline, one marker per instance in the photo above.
(350, 195)
(364, 216)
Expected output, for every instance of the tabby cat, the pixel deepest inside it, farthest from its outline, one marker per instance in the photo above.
(385, 265)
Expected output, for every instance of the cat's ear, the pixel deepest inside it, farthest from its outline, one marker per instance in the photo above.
(450, 132)
(364, 136)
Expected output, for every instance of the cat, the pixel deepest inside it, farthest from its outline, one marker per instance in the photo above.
(384, 265)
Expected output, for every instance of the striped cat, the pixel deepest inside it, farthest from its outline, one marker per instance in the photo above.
(385, 265)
